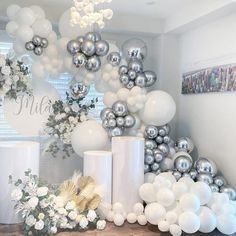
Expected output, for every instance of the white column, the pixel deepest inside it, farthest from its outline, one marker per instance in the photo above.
(15, 159)
(128, 170)
(98, 165)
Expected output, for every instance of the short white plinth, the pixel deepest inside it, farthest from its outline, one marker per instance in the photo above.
(15, 159)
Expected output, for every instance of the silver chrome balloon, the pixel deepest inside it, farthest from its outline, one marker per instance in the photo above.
(166, 128)
(79, 60)
(124, 79)
(93, 64)
(149, 151)
(149, 159)
(132, 74)
(220, 181)
(151, 78)
(79, 90)
(80, 39)
(159, 140)
(176, 174)
(230, 191)
(120, 108)
(105, 124)
(37, 40)
(193, 173)
(93, 36)
(205, 166)
(129, 121)
(44, 43)
(102, 48)
(111, 123)
(105, 112)
(73, 47)
(146, 169)
(115, 132)
(114, 59)
(29, 46)
(38, 51)
(110, 115)
(186, 175)
(140, 80)
(158, 155)
(88, 47)
(166, 139)
(164, 148)
(151, 131)
(183, 164)
(134, 48)
(205, 177)
(123, 70)
(150, 144)
(130, 85)
(184, 144)
(120, 121)
(162, 132)
(155, 166)
(214, 188)
(136, 65)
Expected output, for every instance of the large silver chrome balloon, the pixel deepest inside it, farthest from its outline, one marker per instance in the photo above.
(136, 65)
(93, 64)
(79, 90)
(123, 70)
(129, 121)
(141, 80)
(120, 121)
(151, 131)
(115, 132)
(184, 144)
(93, 36)
(37, 40)
(134, 48)
(230, 191)
(176, 174)
(44, 43)
(88, 47)
(130, 85)
(29, 46)
(79, 60)
(150, 144)
(132, 74)
(183, 164)
(120, 108)
(205, 177)
(214, 188)
(149, 159)
(124, 79)
(164, 148)
(73, 47)
(155, 166)
(220, 181)
(102, 48)
(151, 78)
(38, 51)
(104, 113)
(114, 59)
(205, 166)
(158, 155)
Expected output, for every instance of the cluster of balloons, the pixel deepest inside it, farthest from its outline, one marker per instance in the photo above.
(79, 90)
(116, 119)
(87, 50)
(37, 45)
(186, 206)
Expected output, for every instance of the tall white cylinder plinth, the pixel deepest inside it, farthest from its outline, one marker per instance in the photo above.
(15, 159)
(128, 170)
(98, 165)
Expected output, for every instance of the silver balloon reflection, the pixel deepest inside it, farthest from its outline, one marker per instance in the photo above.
(136, 65)
(93, 64)
(130, 85)
(73, 47)
(214, 188)
(205, 166)
(158, 156)
(93, 36)
(151, 132)
(176, 174)
(149, 160)
(155, 167)
(184, 144)
(146, 169)
(124, 79)
(205, 177)
(79, 60)
(104, 113)
(164, 148)
(151, 78)
(120, 121)
(120, 108)
(150, 144)
(162, 132)
(114, 59)
(44, 43)
(123, 70)
(183, 164)
(159, 140)
(80, 39)
(88, 47)
(115, 132)
(134, 48)
(230, 191)
(132, 74)
(141, 80)
(220, 181)
(129, 121)
(193, 174)
(79, 90)
(38, 51)
(102, 48)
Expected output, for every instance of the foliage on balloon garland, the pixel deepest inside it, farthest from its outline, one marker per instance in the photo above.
(48, 209)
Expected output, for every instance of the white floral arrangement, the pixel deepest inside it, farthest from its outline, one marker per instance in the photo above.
(47, 209)
(14, 78)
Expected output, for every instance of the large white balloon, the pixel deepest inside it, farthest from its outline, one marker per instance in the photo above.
(154, 213)
(38, 12)
(189, 222)
(12, 10)
(28, 115)
(189, 202)
(207, 219)
(147, 193)
(42, 27)
(226, 224)
(65, 28)
(11, 28)
(203, 191)
(165, 197)
(25, 16)
(159, 108)
(24, 33)
(87, 136)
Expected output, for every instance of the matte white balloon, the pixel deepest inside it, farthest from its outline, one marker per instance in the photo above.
(188, 181)
(171, 217)
(24, 33)
(147, 193)
(109, 99)
(164, 226)
(142, 220)
(25, 16)
(131, 218)
(189, 222)
(202, 191)
(12, 10)
(154, 212)
(226, 224)
(189, 202)
(179, 189)
(175, 230)
(88, 136)
(119, 220)
(42, 27)
(38, 12)
(138, 208)
(207, 219)
(11, 28)
(149, 177)
(165, 197)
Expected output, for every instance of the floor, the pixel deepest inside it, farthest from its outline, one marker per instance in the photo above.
(111, 230)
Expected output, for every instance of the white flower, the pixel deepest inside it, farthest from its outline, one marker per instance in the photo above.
(2, 61)
(67, 109)
(30, 220)
(101, 224)
(63, 222)
(70, 205)
(72, 215)
(43, 191)
(71, 119)
(51, 213)
(33, 202)
(16, 194)
(75, 107)
(44, 203)
(83, 118)
(41, 216)
(6, 70)
(83, 223)
(15, 78)
(53, 230)
(62, 211)
(39, 225)
(91, 216)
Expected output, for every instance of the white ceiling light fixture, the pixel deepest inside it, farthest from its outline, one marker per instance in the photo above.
(84, 14)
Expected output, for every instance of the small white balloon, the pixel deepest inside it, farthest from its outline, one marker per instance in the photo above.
(24, 33)
(154, 213)
(164, 226)
(42, 27)
(142, 220)
(226, 224)
(118, 207)
(119, 220)
(179, 189)
(12, 11)
(147, 193)
(188, 181)
(25, 16)
(109, 99)
(38, 12)
(202, 191)
(189, 202)
(138, 209)
(165, 197)
(131, 218)
(11, 28)
(171, 217)
(175, 230)
(110, 216)
(207, 219)
(189, 222)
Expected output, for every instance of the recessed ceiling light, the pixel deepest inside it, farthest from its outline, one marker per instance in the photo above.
(151, 3)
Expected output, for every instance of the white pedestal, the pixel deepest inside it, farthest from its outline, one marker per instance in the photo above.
(15, 159)
(128, 170)
(98, 164)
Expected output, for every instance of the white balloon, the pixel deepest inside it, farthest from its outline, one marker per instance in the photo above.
(24, 33)
(147, 193)
(37, 70)
(226, 224)
(189, 202)
(51, 51)
(165, 197)
(164, 226)
(175, 230)
(171, 217)
(119, 220)
(131, 218)
(25, 16)
(123, 94)
(118, 208)
(109, 99)
(110, 216)
(207, 219)
(202, 191)
(89, 135)
(65, 28)
(164, 111)
(179, 189)
(189, 222)
(188, 181)
(142, 220)
(154, 213)
(138, 208)
(149, 177)
(28, 115)
(42, 27)
(52, 37)
(12, 10)
(165, 180)
(18, 47)
(11, 28)
(38, 12)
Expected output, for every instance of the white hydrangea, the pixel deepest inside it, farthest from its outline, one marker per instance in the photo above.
(101, 224)
(2, 61)
(70, 205)
(6, 70)
(30, 220)
(53, 230)
(33, 202)
(72, 215)
(39, 225)
(91, 216)
(83, 222)
(42, 191)
(16, 194)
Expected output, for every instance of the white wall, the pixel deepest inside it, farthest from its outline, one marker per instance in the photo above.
(209, 119)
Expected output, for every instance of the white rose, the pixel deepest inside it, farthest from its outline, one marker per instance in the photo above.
(72, 215)
(39, 225)
(41, 216)
(33, 202)
(71, 119)
(91, 216)
(70, 205)
(101, 224)
(63, 223)
(6, 70)
(51, 213)
(83, 223)
(53, 230)
(43, 191)
(67, 109)
(2, 61)
(62, 211)
(16, 194)
(30, 221)
(44, 203)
